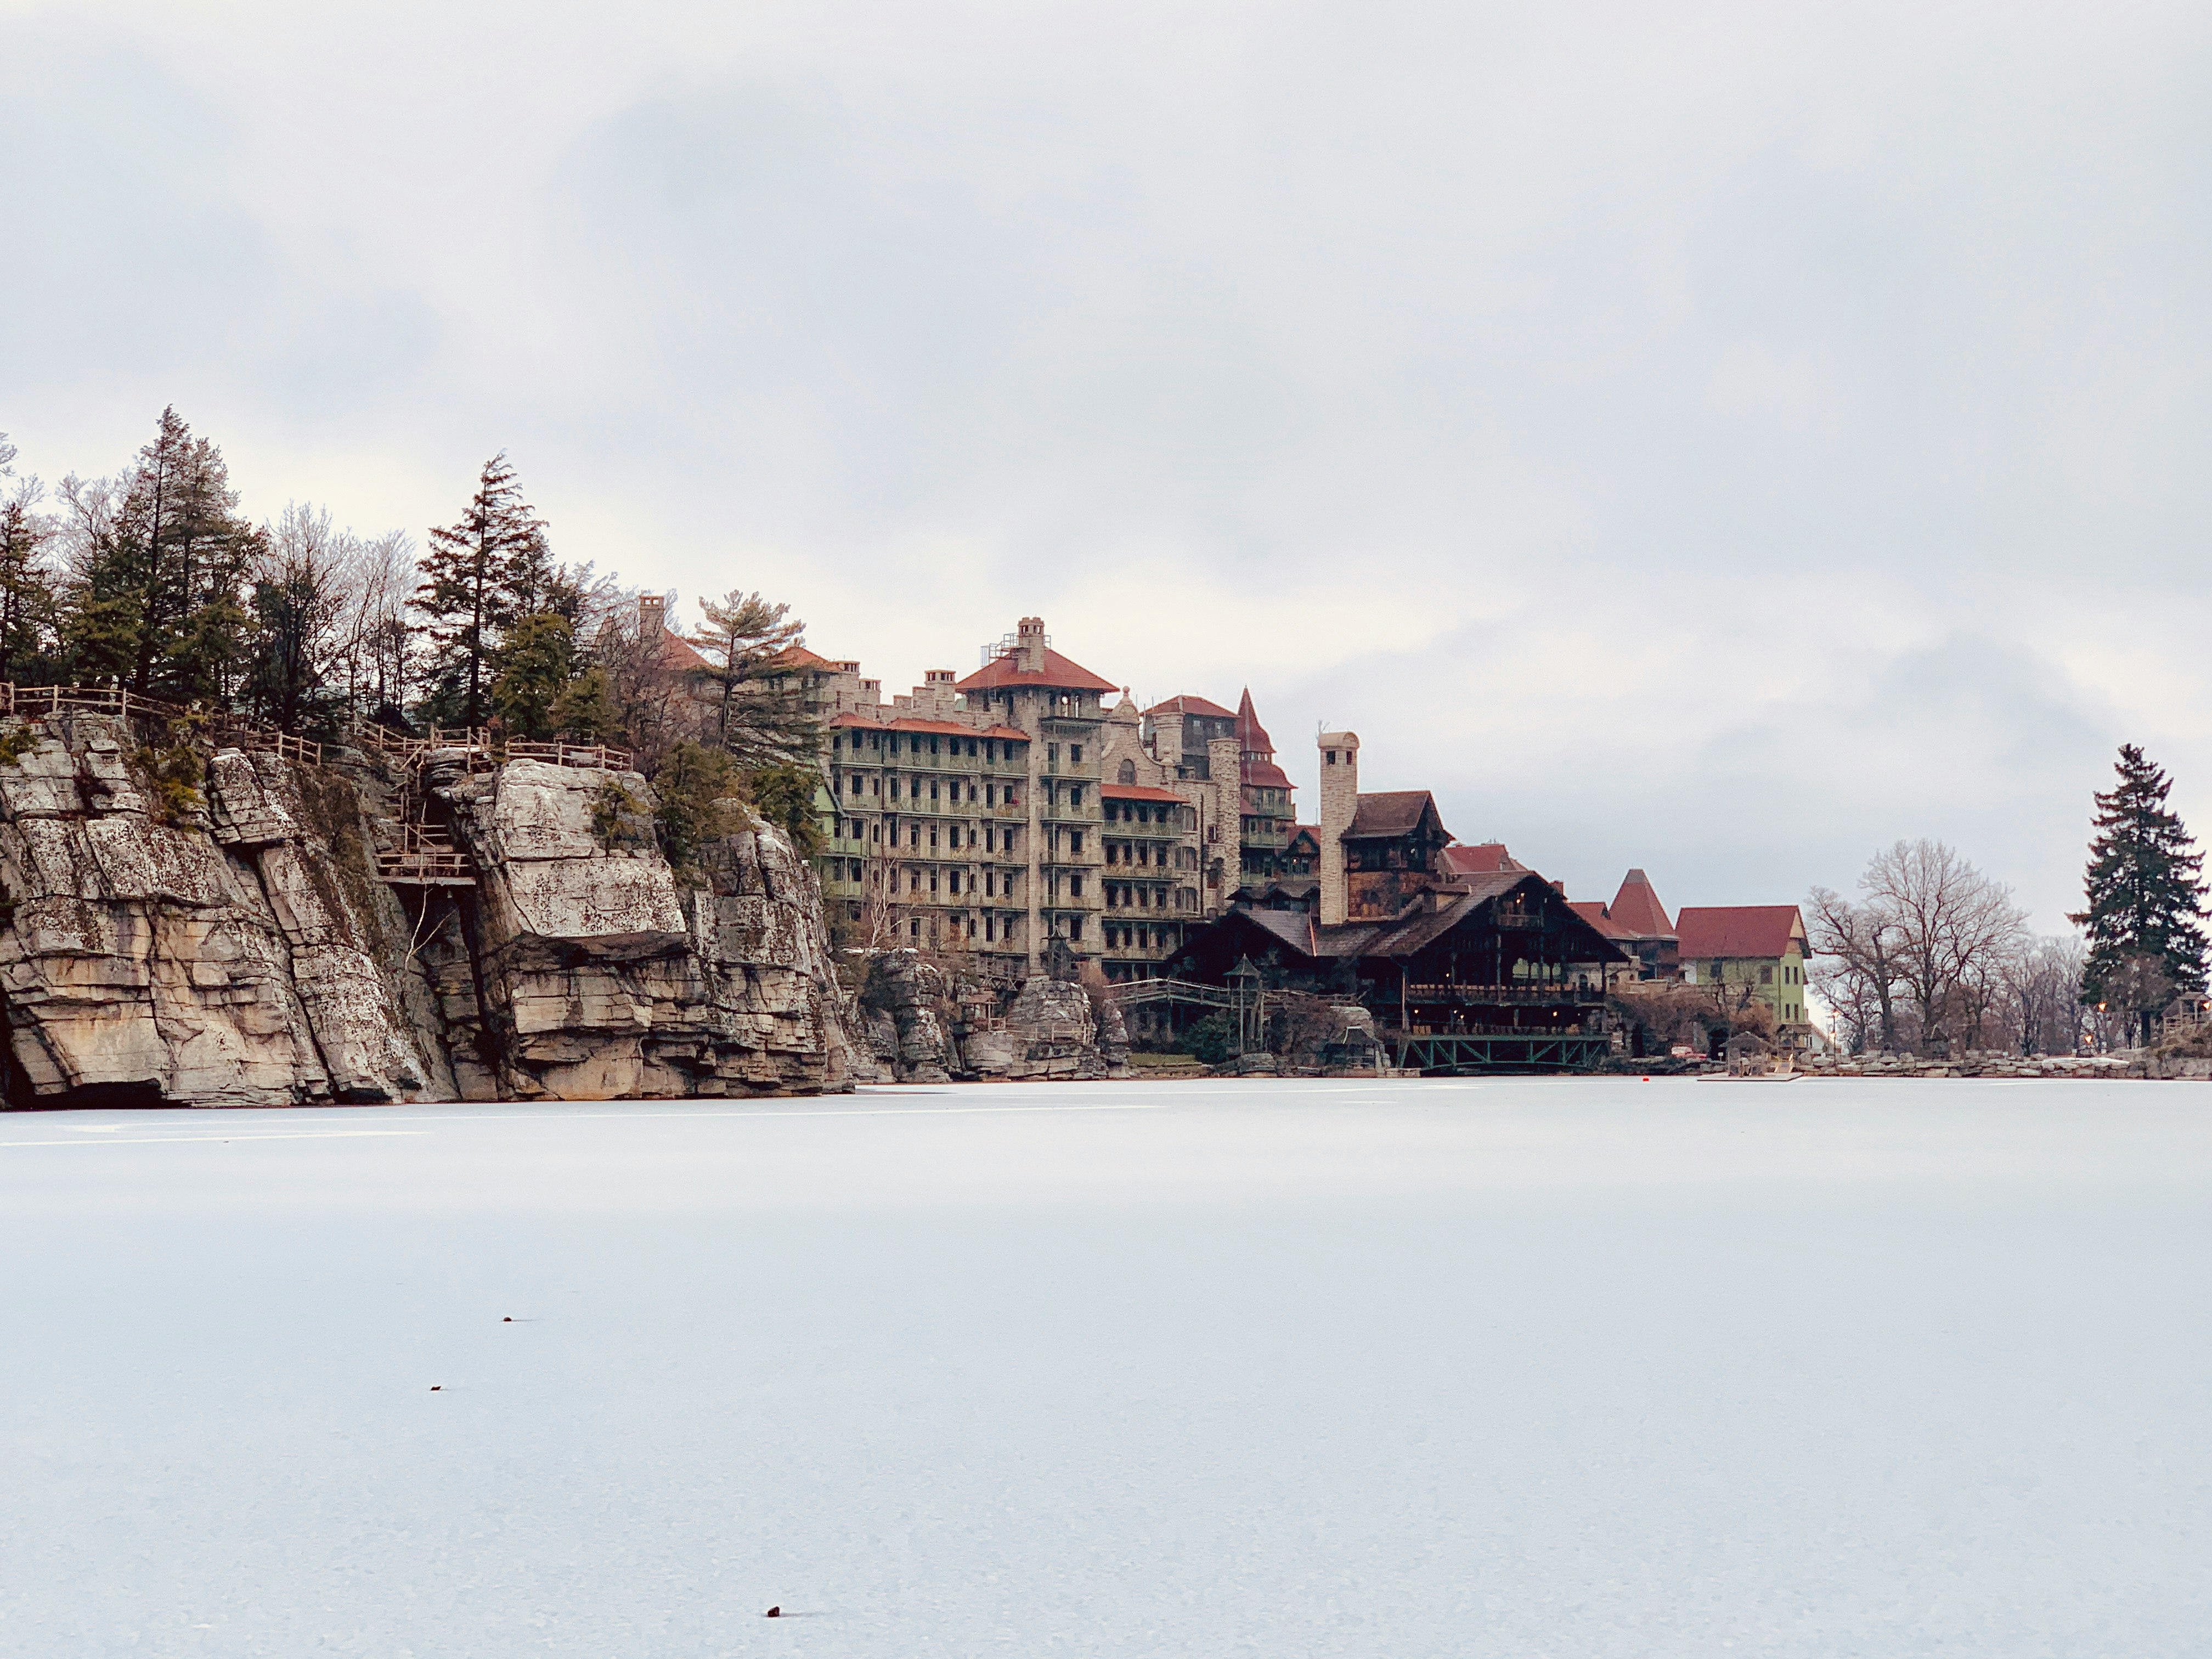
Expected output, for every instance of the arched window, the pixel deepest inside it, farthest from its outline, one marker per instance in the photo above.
(1128, 771)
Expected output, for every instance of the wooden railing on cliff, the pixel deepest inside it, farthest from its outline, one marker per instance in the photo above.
(479, 743)
(41, 702)
(426, 855)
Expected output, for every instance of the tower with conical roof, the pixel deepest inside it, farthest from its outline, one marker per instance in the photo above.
(1267, 819)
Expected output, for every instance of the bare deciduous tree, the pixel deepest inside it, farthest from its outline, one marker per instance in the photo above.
(1951, 922)
(1933, 930)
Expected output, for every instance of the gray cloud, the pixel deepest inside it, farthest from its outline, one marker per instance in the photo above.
(1722, 439)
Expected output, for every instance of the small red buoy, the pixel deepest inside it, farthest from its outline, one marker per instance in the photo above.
(775, 1612)
(509, 1320)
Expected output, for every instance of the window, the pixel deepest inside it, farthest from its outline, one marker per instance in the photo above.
(1128, 773)
(990, 885)
(933, 837)
(1075, 754)
(1075, 884)
(990, 794)
(1052, 754)
(932, 745)
(1075, 843)
(913, 929)
(1075, 794)
(1767, 976)
(1075, 930)
(913, 834)
(1331, 753)
(875, 832)
(932, 789)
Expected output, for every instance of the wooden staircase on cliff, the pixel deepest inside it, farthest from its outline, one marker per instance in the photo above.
(426, 855)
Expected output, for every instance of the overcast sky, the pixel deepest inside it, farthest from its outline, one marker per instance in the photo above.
(1715, 439)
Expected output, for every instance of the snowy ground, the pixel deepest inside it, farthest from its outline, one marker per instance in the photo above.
(1512, 1368)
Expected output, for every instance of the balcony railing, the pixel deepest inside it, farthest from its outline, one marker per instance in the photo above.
(1527, 996)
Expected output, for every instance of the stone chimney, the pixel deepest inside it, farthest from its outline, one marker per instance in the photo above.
(1340, 800)
(652, 616)
(1029, 649)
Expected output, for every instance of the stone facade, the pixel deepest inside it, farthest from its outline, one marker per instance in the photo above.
(966, 817)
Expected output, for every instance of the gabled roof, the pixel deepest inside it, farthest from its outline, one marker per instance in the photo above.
(1637, 910)
(1592, 912)
(1304, 832)
(1738, 930)
(1058, 674)
(1136, 792)
(1404, 936)
(1487, 858)
(1187, 704)
(1263, 775)
(1391, 813)
(676, 652)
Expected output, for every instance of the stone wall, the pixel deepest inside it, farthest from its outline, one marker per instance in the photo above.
(237, 949)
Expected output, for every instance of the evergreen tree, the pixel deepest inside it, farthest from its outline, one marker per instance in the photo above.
(158, 602)
(475, 577)
(535, 667)
(586, 710)
(2145, 918)
(758, 718)
(26, 605)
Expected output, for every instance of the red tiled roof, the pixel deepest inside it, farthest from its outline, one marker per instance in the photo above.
(1737, 930)
(1592, 912)
(1489, 859)
(676, 652)
(1189, 705)
(1265, 773)
(1136, 792)
(945, 728)
(1637, 910)
(1310, 832)
(1059, 675)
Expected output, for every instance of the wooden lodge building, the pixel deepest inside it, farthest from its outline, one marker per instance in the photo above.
(1461, 967)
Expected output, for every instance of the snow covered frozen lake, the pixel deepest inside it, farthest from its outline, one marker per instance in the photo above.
(1508, 1367)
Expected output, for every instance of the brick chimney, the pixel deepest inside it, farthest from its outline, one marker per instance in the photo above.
(1340, 801)
(652, 616)
(1029, 649)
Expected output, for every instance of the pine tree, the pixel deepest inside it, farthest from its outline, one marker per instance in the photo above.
(159, 600)
(26, 605)
(536, 666)
(474, 577)
(2145, 918)
(756, 718)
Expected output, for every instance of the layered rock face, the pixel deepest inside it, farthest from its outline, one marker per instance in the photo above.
(603, 977)
(921, 1029)
(238, 951)
(214, 961)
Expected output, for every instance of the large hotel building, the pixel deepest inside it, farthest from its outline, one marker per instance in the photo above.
(1013, 815)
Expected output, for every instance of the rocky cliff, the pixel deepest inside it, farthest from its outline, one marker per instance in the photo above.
(212, 931)
(922, 1024)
